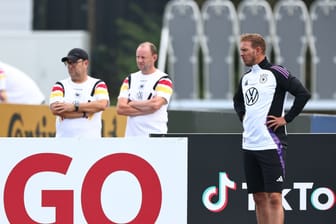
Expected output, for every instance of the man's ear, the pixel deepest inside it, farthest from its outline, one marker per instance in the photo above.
(155, 57)
(259, 50)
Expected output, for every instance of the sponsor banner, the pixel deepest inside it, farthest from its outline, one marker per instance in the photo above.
(110, 180)
(37, 121)
(217, 190)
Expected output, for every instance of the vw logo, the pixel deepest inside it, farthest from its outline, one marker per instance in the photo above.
(251, 96)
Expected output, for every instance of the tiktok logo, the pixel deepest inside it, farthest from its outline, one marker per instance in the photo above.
(221, 192)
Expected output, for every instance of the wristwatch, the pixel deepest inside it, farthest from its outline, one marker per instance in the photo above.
(76, 104)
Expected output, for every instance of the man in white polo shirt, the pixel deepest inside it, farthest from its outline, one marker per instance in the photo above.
(144, 96)
(78, 101)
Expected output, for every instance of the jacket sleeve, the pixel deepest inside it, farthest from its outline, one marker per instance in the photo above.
(293, 85)
(238, 102)
(301, 94)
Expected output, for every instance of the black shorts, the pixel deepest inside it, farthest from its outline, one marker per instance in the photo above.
(264, 170)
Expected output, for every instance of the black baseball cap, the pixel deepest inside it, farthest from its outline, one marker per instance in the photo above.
(75, 54)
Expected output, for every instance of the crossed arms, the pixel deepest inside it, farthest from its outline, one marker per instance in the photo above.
(68, 110)
(136, 108)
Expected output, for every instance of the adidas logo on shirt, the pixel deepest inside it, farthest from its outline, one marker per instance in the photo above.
(280, 179)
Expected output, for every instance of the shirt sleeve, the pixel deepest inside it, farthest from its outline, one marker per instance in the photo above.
(124, 89)
(57, 93)
(101, 91)
(164, 88)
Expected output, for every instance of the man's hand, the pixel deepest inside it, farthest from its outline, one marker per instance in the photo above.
(60, 108)
(275, 122)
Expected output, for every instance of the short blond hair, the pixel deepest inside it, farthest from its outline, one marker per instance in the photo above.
(256, 40)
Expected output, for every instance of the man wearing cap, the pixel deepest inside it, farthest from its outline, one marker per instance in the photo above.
(78, 101)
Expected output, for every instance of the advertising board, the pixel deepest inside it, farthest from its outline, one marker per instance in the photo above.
(111, 180)
(217, 190)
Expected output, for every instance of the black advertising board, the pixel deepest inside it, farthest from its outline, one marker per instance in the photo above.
(217, 190)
